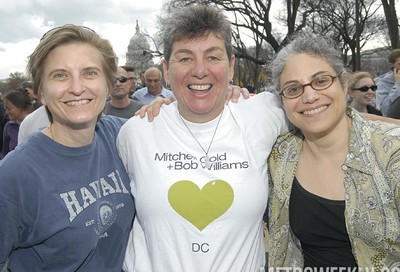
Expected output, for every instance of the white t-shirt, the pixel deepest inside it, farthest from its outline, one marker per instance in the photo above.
(194, 219)
(33, 122)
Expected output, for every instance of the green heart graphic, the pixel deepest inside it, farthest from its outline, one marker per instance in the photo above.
(200, 207)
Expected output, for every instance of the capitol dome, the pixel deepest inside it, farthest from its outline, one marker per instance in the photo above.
(138, 55)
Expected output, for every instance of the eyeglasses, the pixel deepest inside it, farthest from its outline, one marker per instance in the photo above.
(366, 88)
(318, 83)
(121, 79)
(54, 30)
(8, 108)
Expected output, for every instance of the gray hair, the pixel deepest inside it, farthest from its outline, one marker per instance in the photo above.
(311, 44)
(192, 22)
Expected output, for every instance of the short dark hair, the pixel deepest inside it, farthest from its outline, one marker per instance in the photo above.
(394, 55)
(26, 84)
(128, 68)
(20, 99)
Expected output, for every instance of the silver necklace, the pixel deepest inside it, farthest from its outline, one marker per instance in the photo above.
(206, 158)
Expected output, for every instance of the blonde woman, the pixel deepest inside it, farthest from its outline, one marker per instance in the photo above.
(362, 92)
(64, 193)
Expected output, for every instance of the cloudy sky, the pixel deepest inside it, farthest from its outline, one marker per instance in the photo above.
(23, 22)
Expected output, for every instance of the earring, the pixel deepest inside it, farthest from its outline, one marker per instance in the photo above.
(231, 82)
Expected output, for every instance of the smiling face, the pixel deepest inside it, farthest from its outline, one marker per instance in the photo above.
(74, 86)
(198, 72)
(314, 112)
(363, 98)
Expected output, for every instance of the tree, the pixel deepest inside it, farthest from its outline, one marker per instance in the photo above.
(13, 82)
(252, 17)
(351, 23)
(392, 22)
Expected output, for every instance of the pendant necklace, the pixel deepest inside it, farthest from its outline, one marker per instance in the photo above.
(50, 127)
(206, 158)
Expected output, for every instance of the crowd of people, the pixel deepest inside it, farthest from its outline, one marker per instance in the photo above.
(92, 187)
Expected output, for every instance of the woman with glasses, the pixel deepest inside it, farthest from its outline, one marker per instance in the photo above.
(335, 191)
(17, 105)
(362, 91)
(65, 197)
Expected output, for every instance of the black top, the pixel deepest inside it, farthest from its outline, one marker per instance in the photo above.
(3, 121)
(371, 109)
(319, 224)
(394, 110)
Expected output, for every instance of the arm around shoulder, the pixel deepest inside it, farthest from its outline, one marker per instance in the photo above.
(375, 117)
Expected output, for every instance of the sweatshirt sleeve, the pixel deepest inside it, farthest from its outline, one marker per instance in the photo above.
(388, 91)
(9, 209)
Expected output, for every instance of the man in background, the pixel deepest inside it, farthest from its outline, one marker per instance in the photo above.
(121, 104)
(388, 90)
(131, 77)
(154, 87)
(142, 81)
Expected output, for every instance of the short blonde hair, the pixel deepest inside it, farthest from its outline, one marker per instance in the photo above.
(65, 35)
(356, 76)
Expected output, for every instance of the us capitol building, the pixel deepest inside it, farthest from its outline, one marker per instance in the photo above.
(138, 54)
